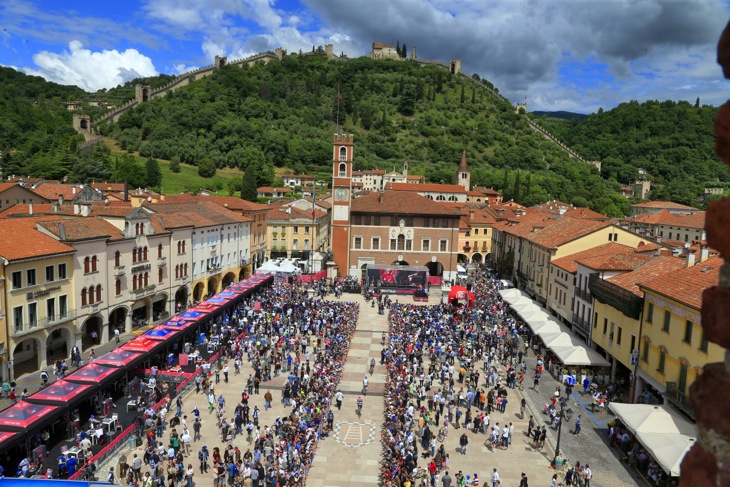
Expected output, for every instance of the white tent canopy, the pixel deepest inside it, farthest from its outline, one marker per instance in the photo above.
(271, 267)
(564, 344)
(661, 430)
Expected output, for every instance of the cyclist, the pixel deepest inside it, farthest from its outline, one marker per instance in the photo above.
(372, 365)
(365, 385)
(359, 404)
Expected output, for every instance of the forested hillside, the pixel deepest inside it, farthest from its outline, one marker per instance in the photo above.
(672, 141)
(36, 135)
(283, 114)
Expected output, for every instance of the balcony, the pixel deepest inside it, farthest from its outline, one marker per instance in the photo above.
(182, 279)
(584, 294)
(214, 270)
(467, 248)
(680, 400)
(162, 261)
(608, 293)
(581, 323)
(142, 292)
(49, 321)
(118, 270)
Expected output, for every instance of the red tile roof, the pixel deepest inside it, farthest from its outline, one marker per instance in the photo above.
(19, 239)
(430, 188)
(661, 267)
(565, 230)
(400, 203)
(615, 262)
(292, 213)
(21, 209)
(199, 214)
(269, 189)
(569, 262)
(230, 202)
(82, 228)
(487, 191)
(52, 191)
(686, 284)
(695, 220)
(584, 213)
(664, 204)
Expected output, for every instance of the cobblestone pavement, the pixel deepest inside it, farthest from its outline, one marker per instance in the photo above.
(351, 455)
(591, 446)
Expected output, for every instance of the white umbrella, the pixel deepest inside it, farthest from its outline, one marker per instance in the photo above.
(649, 418)
(668, 450)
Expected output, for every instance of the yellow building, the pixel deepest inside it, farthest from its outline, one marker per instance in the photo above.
(292, 233)
(3, 326)
(557, 238)
(38, 296)
(673, 348)
(617, 310)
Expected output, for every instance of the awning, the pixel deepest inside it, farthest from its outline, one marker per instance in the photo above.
(63, 392)
(24, 416)
(661, 430)
(119, 358)
(566, 346)
(95, 373)
(160, 333)
(142, 344)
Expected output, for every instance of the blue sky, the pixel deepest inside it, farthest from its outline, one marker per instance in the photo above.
(575, 55)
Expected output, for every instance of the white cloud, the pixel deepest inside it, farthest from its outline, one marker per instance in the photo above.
(92, 70)
(183, 68)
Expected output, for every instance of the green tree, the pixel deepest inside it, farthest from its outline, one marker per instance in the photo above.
(404, 51)
(206, 168)
(516, 192)
(528, 186)
(175, 164)
(407, 101)
(248, 185)
(461, 97)
(154, 174)
(505, 184)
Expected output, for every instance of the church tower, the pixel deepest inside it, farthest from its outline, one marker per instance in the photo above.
(463, 175)
(342, 155)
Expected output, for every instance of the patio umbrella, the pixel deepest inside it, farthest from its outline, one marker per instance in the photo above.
(63, 392)
(192, 315)
(119, 358)
(95, 373)
(142, 344)
(160, 333)
(648, 418)
(24, 416)
(668, 450)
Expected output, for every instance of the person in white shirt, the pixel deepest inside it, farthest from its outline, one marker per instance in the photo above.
(495, 477)
(185, 437)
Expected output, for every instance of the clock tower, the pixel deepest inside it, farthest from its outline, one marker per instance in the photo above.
(342, 152)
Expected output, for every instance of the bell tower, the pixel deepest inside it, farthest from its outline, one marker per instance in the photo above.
(342, 156)
(463, 174)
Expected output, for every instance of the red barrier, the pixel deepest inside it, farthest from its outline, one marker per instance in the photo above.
(306, 279)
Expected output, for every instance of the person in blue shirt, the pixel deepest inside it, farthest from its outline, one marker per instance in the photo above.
(71, 464)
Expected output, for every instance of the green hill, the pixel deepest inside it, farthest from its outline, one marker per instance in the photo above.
(279, 117)
(672, 141)
(36, 134)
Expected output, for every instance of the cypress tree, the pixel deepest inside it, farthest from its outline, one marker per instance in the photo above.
(505, 185)
(516, 192)
(248, 185)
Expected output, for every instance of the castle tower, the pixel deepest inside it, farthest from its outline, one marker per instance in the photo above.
(405, 172)
(413, 52)
(463, 174)
(342, 155)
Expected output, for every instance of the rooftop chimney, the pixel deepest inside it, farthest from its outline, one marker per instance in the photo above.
(30, 209)
(665, 252)
(704, 253)
(690, 259)
(73, 189)
(60, 199)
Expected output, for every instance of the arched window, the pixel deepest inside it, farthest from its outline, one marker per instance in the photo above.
(159, 275)
(179, 247)
(177, 270)
(134, 283)
(118, 287)
(134, 256)
(186, 270)
(184, 246)
(342, 171)
(452, 198)
(343, 153)
(98, 293)
(146, 279)
(86, 265)
(145, 253)
(93, 264)
(91, 295)
(440, 198)
(117, 258)
(401, 242)
(83, 297)
(159, 251)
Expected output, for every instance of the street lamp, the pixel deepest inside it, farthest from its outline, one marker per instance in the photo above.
(565, 414)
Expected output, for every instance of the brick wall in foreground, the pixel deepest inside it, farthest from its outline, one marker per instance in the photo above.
(708, 463)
